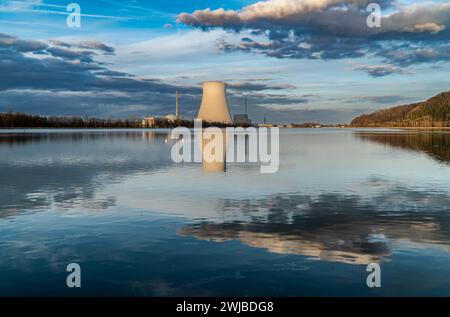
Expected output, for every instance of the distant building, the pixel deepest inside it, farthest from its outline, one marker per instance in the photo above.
(171, 117)
(241, 119)
(152, 122)
(265, 125)
(149, 122)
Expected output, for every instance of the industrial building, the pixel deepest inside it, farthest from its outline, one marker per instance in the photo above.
(151, 122)
(213, 108)
(243, 117)
(214, 105)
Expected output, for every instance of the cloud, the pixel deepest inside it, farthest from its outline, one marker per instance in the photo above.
(113, 73)
(406, 55)
(38, 7)
(333, 29)
(93, 45)
(83, 56)
(380, 70)
(252, 86)
(428, 27)
(61, 78)
(330, 226)
(63, 69)
(379, 99)
(259, 14)
(7, 41)
(17, 5)
(337, 17)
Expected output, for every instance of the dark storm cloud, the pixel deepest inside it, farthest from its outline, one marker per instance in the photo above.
(334, 29)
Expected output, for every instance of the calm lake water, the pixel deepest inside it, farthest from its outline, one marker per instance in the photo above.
(139, 224)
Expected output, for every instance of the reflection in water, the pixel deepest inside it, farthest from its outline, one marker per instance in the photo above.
(214, 150)
(66, 169)
(332, 227)
(434, 143)
(219, 145)
(234, 146)
(23, 138)
(337, 199)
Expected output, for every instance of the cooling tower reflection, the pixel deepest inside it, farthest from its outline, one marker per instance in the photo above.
(214, 149)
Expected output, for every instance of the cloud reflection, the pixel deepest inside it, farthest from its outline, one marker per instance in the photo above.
(333, 227)
(41, 171)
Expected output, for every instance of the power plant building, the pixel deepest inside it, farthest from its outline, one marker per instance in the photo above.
(214, 105)
(243, 117)
(213, 108)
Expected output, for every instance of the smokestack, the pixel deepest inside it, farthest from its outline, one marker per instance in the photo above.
(246, 106)
(176, 105)
(214, 106)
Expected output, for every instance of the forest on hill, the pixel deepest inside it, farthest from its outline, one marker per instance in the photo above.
(434, 112)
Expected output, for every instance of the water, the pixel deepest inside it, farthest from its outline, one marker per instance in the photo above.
(141, 225)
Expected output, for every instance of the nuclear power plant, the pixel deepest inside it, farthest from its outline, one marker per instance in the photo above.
(213, 108)
(214, 105)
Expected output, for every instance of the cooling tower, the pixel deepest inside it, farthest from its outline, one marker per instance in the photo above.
(214, 106)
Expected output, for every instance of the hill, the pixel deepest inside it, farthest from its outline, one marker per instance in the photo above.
(435, 112)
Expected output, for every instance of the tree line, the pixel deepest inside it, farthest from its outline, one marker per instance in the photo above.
(23, 120)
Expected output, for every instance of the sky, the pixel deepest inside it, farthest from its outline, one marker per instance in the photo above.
(294, 60)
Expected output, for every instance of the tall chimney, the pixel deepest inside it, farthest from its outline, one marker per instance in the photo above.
(176, 104)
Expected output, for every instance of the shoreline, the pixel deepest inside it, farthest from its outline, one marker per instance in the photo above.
(159, 128)
(407, 128)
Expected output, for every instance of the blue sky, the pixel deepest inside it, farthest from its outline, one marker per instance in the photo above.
(295, 60)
